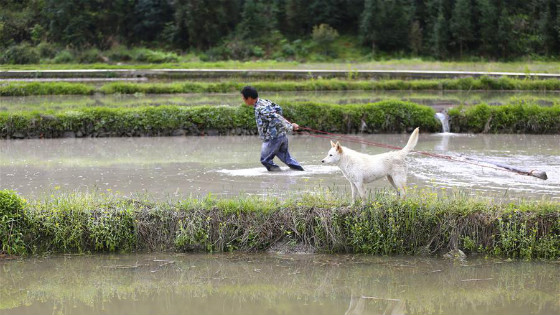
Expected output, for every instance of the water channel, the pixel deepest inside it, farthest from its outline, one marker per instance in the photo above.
(159, 283)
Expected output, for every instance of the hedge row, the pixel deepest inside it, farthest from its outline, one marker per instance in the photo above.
(422, 223)
(513, 118)
(382, 117)
(483, 83)
(386, 116)
(45, 88)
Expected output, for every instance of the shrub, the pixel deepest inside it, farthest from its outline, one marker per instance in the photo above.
(119, 54)
(64, 56)
(50, 88)
(387, 116)
(151, 56)
(90, 56)
(324, 34)
(46, 50)
(511, 118)
(12, 222)
(20, 54)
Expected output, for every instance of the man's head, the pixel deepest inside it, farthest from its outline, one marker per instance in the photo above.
(250, 95)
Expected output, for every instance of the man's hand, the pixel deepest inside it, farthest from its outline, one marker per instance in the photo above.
(295, 126)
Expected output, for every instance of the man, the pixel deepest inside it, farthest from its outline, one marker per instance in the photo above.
(272, 128)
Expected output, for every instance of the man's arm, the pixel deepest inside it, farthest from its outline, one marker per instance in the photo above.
(275, 112)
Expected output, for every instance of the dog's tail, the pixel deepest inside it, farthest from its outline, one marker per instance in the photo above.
(411, 142)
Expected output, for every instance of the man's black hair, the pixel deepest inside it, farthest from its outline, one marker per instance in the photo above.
(250, 91)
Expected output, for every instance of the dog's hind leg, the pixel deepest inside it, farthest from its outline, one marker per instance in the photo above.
(399, 183)
(390, 179)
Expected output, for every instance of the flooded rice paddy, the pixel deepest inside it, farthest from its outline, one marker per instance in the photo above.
(437, 99)
(159, 283)
(180, 167)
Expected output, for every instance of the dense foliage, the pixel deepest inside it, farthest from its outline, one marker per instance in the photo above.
(12, 222)
(385, 116)
(512, 118)
(97, 30)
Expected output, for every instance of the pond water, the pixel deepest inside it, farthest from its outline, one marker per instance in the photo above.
(179, 167)
(437, 99)
(159, 283)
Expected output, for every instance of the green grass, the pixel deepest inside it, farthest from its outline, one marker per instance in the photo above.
(519, 117)
(426, 221)
(522, 66)
(385, 116)
(59, 103)
(464, 84)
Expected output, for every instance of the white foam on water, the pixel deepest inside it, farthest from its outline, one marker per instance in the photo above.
(285, 171)
(454, 173)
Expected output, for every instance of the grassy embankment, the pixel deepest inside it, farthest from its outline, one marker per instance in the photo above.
(523, 66)
(424, 223)
(436, 99)
(381, 117)
(463, 84)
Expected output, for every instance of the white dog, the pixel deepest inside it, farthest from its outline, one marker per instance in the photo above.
(360, 168)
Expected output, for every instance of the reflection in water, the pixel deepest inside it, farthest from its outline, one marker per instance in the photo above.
(443, 145)
(357, 306)
(159, 283)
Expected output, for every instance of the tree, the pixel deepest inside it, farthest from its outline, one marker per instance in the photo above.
(415, 38)
(298, 21)
(324, 36)
(504, 33)
(370, 23)
(438, 36)
(17, 21)
(488, 26)
(98, 23)
(258, 20)
(150, 19)
(460, 24)
(396, 26)
(547, 24)
(203, 23)
(385, 24)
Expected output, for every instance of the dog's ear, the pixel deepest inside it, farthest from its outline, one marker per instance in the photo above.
(333, 144)
(338, 147)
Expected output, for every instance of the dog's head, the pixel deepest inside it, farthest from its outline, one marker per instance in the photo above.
(333, 157)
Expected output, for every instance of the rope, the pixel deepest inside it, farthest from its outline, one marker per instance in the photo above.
(328, 135)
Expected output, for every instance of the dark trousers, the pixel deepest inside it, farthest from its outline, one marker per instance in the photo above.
(277, 147)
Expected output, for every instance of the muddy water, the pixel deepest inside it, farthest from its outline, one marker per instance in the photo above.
(276, 284)
(175, 167)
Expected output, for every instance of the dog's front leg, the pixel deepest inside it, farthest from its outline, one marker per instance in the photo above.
(353, 192)
(361, 190)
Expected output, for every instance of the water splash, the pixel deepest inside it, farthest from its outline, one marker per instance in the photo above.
(285, 171)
